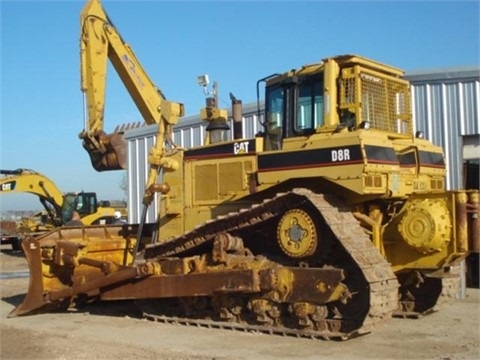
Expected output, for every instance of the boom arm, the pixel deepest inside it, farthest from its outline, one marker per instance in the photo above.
(29, 181)
(101, 41)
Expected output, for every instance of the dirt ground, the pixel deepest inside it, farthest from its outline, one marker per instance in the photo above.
(117, 331)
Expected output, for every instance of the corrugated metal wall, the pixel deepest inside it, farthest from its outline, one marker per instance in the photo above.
(139, 142)
(445, 107)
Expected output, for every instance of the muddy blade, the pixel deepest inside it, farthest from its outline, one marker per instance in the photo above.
(34, 300)
(113, 155)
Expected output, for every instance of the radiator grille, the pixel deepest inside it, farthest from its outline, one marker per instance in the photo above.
(382, 100)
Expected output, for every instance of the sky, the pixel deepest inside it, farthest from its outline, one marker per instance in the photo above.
(234, 42)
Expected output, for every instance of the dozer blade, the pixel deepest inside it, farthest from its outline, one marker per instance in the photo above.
(77, 260)
(34, 298)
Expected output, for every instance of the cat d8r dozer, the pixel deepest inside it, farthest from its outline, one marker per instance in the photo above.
(327, 223)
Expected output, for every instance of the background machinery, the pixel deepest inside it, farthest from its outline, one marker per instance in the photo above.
(58, 205)
(8, 234)
(327, 223)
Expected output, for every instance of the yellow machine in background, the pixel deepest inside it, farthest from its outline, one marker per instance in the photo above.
(58, 205)
(326, 224)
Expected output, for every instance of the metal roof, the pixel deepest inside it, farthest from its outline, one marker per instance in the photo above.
(444, 74)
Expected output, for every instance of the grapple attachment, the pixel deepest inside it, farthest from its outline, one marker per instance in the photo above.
(107, 151)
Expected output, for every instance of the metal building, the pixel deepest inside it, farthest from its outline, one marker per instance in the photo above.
(446, 107)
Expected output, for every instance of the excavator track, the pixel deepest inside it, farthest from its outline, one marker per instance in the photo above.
(369, 276)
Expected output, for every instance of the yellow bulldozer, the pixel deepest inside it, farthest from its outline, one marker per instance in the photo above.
(331, 220)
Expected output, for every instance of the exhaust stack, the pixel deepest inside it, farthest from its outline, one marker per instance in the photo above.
(237, 117)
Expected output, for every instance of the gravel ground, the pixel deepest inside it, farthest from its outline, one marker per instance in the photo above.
(115, 330)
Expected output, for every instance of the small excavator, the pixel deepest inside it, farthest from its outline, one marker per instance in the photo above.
(57, 204)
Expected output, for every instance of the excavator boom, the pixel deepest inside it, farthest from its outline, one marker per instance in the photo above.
(99, 42)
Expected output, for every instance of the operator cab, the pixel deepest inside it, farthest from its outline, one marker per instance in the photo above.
(293, 107)
(339, 94)
(85, 203)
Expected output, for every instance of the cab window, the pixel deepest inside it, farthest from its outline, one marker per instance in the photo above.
(309, 108)
(275, 115)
